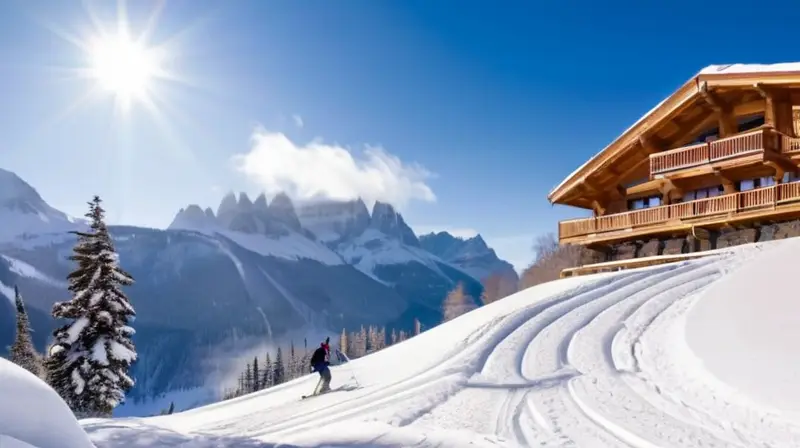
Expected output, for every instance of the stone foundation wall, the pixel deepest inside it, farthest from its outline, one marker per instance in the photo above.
(717, 239)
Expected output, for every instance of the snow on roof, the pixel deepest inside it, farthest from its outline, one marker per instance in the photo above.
(750, 68)
(709, 70)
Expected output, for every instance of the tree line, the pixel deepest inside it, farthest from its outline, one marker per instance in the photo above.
(89, 357)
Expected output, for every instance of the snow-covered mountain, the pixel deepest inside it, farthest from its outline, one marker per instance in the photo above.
(218, 282)
(689, 354)
(24, 213)
(378, 243)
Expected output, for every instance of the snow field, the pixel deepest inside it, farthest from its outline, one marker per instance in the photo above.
(625, 359)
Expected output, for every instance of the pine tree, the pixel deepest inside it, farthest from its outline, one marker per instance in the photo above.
(369, 339)
(343, 343)
(278, 369)
(402, 336)
(256, 375)
(417, 327)
(293, 371)
(266, 379)
(382, 338)
(361, 348)
(248, 379)
(394, 336)
(23, 353)
(89, 360)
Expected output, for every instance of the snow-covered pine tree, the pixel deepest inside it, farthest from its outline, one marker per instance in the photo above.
(343, 342)
(382, 338)
(402, 336)
(278, 369)
(362, 342)
(417, 327)
(292, 370)
(369, 339)
(394, 336)
(266, 378)
(256, 375)
(91, 355)
(23, 353)
(248, 379)
(242, 387)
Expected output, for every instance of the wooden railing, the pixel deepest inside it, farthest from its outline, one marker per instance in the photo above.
(675, 159)
(769, 197)
(789, 144)
(702, 153)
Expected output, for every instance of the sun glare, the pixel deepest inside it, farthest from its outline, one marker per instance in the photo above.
(122, 66)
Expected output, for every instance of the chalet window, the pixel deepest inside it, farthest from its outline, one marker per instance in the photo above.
(790, 177)
(750, 122)
(641, 203)
(759, 182)
(703, 193)
(748, 184)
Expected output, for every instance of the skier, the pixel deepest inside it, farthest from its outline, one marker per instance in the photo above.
(320, 361)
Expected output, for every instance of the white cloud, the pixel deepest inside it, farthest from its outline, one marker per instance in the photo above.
(458, 232)
(298, 120)
(318, 169)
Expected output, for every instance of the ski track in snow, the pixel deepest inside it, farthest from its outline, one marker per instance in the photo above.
(599, 362)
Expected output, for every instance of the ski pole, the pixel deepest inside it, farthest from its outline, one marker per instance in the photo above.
(352, 373)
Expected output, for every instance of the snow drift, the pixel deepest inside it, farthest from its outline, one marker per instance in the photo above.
(33, 415)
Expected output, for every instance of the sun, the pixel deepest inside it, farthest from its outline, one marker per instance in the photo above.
(122, 66)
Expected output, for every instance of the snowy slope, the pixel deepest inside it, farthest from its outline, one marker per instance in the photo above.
(609, 360)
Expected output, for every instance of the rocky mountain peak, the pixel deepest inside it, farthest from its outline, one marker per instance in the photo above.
(471, 254)
(193, 217)
(245, 204)
(227, 209)
(260, 204)
(281, 210)
(386, 219)
(332, 221)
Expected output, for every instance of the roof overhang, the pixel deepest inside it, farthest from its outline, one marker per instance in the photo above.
(715, 76)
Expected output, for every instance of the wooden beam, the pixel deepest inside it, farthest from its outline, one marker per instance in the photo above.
(725, 114)
(647, 146)
(688, 132)
(598, 208)
(711, 98)
(779, 171)
(749, 108)
(728, 185)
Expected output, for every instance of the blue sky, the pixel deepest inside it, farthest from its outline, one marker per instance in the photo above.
(479, 111)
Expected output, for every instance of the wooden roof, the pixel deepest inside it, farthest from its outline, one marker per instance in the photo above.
(673, 123)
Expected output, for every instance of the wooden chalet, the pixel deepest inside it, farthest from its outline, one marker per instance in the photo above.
(721, 151)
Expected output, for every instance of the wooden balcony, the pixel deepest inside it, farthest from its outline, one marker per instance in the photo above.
(735, 149)
(753, 204)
